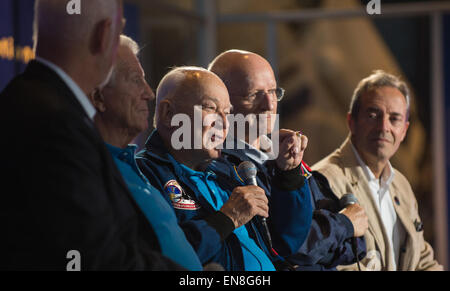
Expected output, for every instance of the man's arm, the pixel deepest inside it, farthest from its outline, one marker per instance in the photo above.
(290, 211)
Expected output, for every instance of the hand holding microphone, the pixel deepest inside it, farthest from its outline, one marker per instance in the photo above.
(358, 217)
(355, 213)
(245, 203)
(248, 201)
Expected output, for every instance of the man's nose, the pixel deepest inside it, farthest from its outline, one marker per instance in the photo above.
(267, 101)
(384, 124)
(148, 93)
(221, 121)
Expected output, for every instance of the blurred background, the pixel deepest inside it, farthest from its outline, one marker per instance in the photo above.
(320, 50)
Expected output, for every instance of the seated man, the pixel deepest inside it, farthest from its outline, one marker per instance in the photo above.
(65, 196)
(122, 113)
(378, 122)
(253, 91)
(220, 222)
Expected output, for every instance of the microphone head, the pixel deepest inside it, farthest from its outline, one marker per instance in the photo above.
(348, 199)
(248, 171)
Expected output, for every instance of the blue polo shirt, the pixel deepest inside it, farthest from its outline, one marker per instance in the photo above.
(254, 258)
(157, 210)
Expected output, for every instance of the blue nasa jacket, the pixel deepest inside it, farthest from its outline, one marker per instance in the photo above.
(329, 241)
(209, 231)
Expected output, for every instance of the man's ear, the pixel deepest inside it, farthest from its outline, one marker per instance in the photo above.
(405, 130)
(102, 37)
(166, 111)
(98, 100)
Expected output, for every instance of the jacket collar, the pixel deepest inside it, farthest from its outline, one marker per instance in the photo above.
(156, 150)
(154, 147)
(74, 88)
(40, 71)
(243, 150)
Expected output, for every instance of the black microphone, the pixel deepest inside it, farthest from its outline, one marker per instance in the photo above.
(344, 202)
(248, 171)
(347, 200)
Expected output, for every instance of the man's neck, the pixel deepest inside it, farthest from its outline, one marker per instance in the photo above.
(118, 137)
(187, 158)
(255, 143)
(76, 70)
(375, 165)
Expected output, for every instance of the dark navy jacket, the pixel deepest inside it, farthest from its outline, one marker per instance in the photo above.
(209, 231)
(329, 242)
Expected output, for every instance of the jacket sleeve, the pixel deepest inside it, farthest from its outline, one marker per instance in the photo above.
(329, 242)
(427, 261)
(290, 211)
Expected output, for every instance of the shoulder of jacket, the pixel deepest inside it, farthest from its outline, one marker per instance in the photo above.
(403, 187)
(328, 166)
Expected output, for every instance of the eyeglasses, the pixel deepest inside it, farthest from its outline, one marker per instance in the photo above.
(256, 97)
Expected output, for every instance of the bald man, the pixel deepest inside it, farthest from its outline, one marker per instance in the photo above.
(219, 222)
(253, 90)
(67, 207)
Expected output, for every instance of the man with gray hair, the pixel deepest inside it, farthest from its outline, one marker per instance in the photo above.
(122, 114)
(67, 207)
(378, 122)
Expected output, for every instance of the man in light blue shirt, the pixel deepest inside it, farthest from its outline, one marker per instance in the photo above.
(122, 114)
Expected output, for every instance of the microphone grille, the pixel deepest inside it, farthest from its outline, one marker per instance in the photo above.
(247, 170)
(347, 200)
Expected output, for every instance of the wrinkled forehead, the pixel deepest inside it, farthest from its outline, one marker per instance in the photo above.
(127, 57)
(389, 97)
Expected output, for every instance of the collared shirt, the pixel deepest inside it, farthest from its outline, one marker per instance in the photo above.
(76, 90)
(244, 150)
(156, 209)
(380, 191)
(254, 258)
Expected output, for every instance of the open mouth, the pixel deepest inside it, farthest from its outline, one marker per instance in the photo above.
(216, 138)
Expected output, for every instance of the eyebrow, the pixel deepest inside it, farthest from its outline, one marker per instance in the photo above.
(209, 98)
(374, 109)
(215, 100)
(396, 114)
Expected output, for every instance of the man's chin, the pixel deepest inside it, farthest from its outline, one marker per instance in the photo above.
(214, 153)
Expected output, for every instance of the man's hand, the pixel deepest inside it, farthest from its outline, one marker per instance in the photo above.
(245, 203)
(292, 147)
(358, 217)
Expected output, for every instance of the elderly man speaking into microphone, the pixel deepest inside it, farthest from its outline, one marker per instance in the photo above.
(221, 222)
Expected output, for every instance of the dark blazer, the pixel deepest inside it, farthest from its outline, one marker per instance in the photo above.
(61, 190)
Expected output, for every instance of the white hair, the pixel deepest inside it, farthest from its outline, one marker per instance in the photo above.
(130, 43)
(125, 41)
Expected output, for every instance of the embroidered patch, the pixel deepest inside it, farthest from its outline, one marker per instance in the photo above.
(180, 200)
